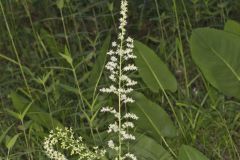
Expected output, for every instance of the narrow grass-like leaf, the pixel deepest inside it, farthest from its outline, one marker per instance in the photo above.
(5, 133)
(12, 141)
(98, 68)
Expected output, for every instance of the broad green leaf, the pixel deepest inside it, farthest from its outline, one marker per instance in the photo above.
(217, 54)
(60, 4)
(232, 26)
(98, 68)
(190, 153)
(152, 70)
(147, 149)
(12, 141)
(153, 120)
(35, 112)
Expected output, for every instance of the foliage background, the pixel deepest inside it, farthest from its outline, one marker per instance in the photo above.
(41, 30)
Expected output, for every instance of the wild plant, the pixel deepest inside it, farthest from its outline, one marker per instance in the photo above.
(75, 146)
(119, 66)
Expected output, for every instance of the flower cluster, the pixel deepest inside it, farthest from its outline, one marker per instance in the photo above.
(119, 66)
(65, 139)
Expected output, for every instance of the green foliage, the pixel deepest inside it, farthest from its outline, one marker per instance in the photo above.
(98, 68)
(189, 153)
(232, 26)
(5, 133)
(148, 149)
(216, 53)
(10, 143)
(152, 70)
(38, 115)
(60, 4)
(153, 121)
(43, 42)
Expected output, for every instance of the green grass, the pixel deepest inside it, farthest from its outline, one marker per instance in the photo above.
(33, 33)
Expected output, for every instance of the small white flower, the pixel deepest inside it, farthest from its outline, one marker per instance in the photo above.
(106, 109)
(130, 67)
(111, 52)
(112, 77)
(130, 155)
(128, 125)
(127, 136)
(129, 39)
(111, 144)
(111, 89)
(114, 59)
(130, 116)
(113, 128)
(114, 44)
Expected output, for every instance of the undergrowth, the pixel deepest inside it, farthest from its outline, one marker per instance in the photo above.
(51, 58)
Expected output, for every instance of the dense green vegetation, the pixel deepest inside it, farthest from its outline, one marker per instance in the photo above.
(52, 56)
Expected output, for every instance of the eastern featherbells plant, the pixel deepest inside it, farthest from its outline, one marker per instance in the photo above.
(119, 66)
(64, 138)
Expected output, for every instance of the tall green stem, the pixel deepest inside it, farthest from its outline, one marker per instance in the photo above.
(15, 50)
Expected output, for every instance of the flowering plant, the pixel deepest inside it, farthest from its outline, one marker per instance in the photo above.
(119, 65)
(76, 147)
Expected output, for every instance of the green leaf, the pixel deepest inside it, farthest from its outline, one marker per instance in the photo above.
(190, 153)
(35, 112)
(60, 4)
(152, 70)
(13, 114)
(12, 141)
(147, 149)
(153, 120)
(232, 26)
(45, 77)
(98, 68)
(69, 88)
(67, 56)
(5, 133)
(26, 110)
(217, 54)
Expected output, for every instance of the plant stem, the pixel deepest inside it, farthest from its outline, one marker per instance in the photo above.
(181, 49)
(49, 108)
(15, 50)
(26, 141)
(64, 28)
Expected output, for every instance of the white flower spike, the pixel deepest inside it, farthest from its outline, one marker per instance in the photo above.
(120, 65)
